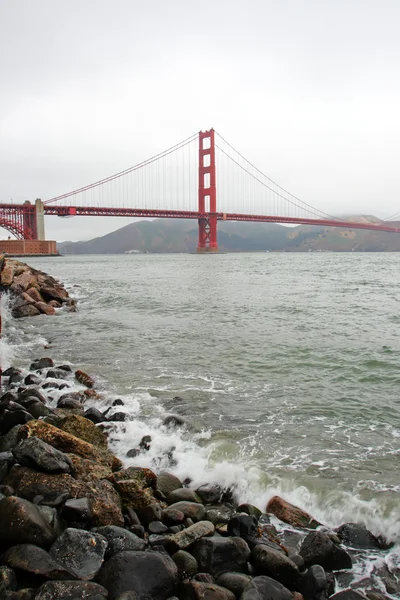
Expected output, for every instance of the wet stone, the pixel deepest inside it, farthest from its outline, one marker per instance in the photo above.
(80, 552)
(77, 509)
(35, 453)
(193, 510)
(32, 379)
(71, 590)
(35, 560)
(157, 527)
(42, 363)
(22, 523)
(8, 580)
(167, 482)
(263, 587)
(234, 582)
(318, 549)
(119, 540)
(149, 573)
(357, 536)
(183, 494)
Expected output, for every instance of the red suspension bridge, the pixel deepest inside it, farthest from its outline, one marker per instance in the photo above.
(181, 182)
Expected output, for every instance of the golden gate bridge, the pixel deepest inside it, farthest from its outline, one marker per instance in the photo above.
(181, 183)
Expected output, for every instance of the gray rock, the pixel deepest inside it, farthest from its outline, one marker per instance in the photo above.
(157, 527)
(171, 516)
(22, 523)
(10, 439)
(275, 564)
(38, 409)
(314, 584)
(249, 509)
(195, 590)
(220, 514)
(37, 454)
(234, 582)
(119, 540)
(210, 493)
(151, 573)
(242, 525)
(80, 552)
(166, 482)
(10, 418)
(32, 379)
(42, 363)
(217, 555)
(35, 560)
(265, 588)
(30, 392)
(183, 494)
(6, 462)
(71, 590)
(77, 510)
(8, 580)
(348, 595)
(194, 511)
(357, 536)
(185, 538)
(175, 421)
(318, 549)
(152, 512)
(186, 564)
(94, 415)
(51, 516)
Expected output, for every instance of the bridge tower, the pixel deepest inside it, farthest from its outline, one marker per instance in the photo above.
(207, 193)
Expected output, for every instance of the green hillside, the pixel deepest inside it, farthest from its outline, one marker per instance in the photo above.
(179, 235)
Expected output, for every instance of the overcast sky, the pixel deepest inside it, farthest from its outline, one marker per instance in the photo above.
(308, 90)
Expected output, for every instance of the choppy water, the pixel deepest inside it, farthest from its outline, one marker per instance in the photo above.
(287, 365)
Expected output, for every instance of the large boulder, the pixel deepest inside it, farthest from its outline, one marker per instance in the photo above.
(217, 555)
(35, 453)
(293, 515)
(265, 588)
(71, 590)
(314, 583)
(88, 470)
(135, 486)
(80, 552)
(35, 560)
(196, 590)
(22, 523)
(84, 429)
(319, 549)
(104, 501)
(358, 536)
(68, 443)
(151, 573)
(119, 540)
(167, 482)
(276, 565)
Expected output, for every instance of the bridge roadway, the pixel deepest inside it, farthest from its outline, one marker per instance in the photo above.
(67, 211)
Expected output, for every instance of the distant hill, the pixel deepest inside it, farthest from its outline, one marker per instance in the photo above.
(180, 235)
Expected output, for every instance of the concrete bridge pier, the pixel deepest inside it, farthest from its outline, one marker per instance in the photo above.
(39, 219)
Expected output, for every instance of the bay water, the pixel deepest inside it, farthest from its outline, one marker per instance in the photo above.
(286, 368)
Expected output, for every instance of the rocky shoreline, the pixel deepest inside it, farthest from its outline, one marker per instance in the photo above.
(75, 523)
(32, 292)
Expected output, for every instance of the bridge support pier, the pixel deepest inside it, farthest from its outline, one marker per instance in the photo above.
(39, 219)
(207, 241)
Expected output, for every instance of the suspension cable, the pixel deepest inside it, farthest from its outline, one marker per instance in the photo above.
(314, 210)
(126, 171)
